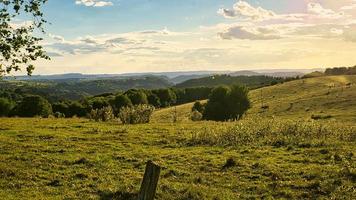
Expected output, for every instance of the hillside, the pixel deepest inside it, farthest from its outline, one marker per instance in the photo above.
(213, 81)
(324, 97)
(74, 89)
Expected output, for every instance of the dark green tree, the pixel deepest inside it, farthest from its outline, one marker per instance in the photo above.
(154, 100)
(167, 97)
(119, 102)
(18, 47)
(34, 105)
(227, 103)
(61, 107)
(5, 107)
(137, 97)
(98, 103)
(77, 109)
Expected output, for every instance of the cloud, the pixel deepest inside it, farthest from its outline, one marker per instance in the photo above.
(257, 23)
(319, 11)
(244, 10)
(150, 40)
(250, 32)
(94, 3)
(352, 6)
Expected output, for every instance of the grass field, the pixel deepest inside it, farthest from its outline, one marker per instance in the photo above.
(324, 97)
(288, 156)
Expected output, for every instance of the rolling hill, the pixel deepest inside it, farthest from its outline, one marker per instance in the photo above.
(329, 97)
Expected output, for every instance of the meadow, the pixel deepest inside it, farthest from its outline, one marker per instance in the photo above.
(273, 153)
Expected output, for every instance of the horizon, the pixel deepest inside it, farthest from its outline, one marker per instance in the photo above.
(193, 72)
(119, 36)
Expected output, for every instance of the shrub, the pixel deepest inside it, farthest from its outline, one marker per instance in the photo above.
(198, 107)
(136, 114)
(34, 106)
(227, 103)
(103, 114)
(59, 115)
(5, 107)
(196, 116)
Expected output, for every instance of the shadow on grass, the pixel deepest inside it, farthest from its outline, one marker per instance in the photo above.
(119, 195)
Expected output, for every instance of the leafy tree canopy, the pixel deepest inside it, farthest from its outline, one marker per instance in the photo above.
(18, 47)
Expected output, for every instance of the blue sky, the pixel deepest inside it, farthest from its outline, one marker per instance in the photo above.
(118, 36)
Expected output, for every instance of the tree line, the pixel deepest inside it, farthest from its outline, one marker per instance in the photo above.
(13, 103)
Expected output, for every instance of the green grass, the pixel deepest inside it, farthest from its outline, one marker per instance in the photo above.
(325, 98)
(301, 99)
(76, 158)
(289, 156)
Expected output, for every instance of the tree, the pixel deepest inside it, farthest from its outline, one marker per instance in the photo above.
(166, 96)
(5, 107)
(153, 100)
(77, 109)
(98, 103)
(238, 102)
(119, 102)
(137, 97)
(18, 47)
(61, 107)
(34, 106)
(216, 108)
(227, 103)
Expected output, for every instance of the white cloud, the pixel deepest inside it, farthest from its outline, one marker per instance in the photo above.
(257, 23)
(351, 6)
(150, 40)
(319, 11)
(94, 3)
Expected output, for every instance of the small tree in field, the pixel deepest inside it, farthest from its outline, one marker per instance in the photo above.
(227, 103)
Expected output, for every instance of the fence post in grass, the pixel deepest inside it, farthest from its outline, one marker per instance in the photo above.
(149, 182)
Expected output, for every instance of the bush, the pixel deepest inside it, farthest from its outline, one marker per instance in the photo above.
(227, 103)
(196, 116)
(198, 107)
(5, 107)
(136, 114)
(34, 106)
(103, 114)
(59, 115)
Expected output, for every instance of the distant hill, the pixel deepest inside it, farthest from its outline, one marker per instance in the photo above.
(216, 80)
(75, 89)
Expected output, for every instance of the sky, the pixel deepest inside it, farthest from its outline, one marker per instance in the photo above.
(121, 36)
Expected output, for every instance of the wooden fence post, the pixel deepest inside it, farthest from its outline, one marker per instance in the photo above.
(149, 182)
